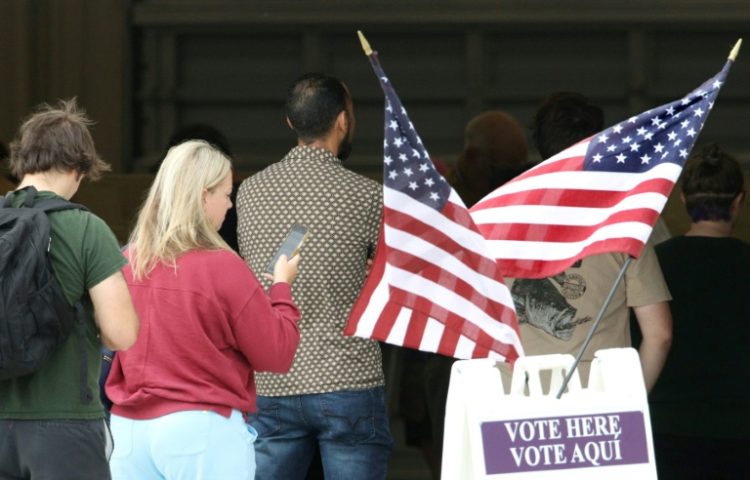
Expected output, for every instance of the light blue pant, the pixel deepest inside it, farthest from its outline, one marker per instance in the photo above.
(190, 445)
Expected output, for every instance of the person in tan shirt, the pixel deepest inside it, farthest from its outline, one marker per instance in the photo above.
(555, 313)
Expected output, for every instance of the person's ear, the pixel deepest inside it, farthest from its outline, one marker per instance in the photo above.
(342, 122)
(289, 123)
(682, 198)
(737, 202)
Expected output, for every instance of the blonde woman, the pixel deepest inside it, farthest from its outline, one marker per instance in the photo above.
(182, 392)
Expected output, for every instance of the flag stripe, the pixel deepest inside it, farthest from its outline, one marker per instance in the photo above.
(433, 248)
(533, 232)
(573, 216)
(443, 278)
(443, 302)
(464, 348)
(596, 183)
(573, 197)
(528, 268)
(528, 250)
(432, 339)
(432, 336)
(490, 340)
(467, 236)
(373, 298)
(415, 331)
(449, 341)
(386, 321)
(407, 232)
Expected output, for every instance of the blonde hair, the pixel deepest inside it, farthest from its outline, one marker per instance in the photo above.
(173, 220)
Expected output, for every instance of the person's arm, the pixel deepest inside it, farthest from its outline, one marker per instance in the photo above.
(655, 322)
(114, 312)
(267, 331)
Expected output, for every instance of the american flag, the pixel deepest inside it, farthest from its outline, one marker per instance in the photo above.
(603, 194)
(433, 286)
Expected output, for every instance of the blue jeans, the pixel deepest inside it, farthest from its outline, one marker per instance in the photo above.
(350, 427)
(188, 445)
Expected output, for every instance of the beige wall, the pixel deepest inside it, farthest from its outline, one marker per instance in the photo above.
(52, 49)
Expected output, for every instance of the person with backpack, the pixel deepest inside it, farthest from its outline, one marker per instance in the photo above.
(62, 294)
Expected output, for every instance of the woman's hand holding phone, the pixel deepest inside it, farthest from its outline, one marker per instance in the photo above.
(285, 269)
(285, 263)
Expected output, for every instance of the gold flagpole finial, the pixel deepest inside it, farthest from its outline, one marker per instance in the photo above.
(365, 43)
(735, 50)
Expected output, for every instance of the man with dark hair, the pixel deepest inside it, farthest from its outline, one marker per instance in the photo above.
(51, 421)
(333, 396)
(700, 409)
(561, 120)
(555, 313)
(313, 105)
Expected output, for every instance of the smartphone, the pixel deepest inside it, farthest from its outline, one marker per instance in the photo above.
(291, 245)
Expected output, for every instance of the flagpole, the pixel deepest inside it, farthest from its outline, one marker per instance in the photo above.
(599, 317)
(364, 42)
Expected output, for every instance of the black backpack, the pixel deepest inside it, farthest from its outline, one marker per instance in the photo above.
(35, 317)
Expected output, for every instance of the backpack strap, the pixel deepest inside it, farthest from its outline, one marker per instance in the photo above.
(50, 205)
(31, 192)
(47, 204)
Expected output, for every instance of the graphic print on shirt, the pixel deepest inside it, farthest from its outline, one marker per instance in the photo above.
(544, 303)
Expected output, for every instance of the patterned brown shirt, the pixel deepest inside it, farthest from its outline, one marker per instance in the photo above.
(342, 211)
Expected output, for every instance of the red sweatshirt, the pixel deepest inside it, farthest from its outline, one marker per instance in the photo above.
(204, 328)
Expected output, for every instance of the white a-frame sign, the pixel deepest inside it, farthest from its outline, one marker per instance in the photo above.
(602, 432)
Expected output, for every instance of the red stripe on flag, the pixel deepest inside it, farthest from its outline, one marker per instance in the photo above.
(448, 341)
(458, 214)
(429, 233)
(386, 320)
(415, 329)
(561, 197)
(456, 322)
(515, 268)
(446, 279)
(371, 283)
(481, 351)
(533, 232)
